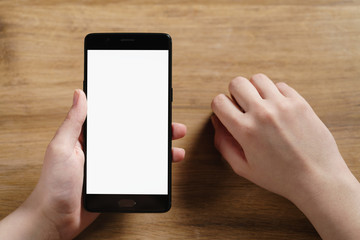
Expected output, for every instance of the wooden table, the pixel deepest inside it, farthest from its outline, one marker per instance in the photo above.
(312, 45)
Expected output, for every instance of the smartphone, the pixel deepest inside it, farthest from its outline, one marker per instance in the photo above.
(127, 133)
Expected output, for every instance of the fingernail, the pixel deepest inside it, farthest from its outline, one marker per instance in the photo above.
(76, 97)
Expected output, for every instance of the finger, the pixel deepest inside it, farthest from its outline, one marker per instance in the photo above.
(286, 90)
(228, 113)
(229, 148)
(266, 88)
(178, 130)
(178, 154)
(243, 92)
(69, 132)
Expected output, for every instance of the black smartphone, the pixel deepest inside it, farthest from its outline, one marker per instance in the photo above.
(127, 133)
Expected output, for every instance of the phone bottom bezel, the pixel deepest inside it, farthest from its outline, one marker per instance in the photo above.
(110, 203)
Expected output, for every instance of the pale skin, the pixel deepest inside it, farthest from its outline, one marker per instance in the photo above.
(270, 135)
(54, 209)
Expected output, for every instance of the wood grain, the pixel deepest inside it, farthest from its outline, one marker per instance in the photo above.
(311, 45)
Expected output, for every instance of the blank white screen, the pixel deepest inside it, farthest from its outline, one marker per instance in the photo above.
(127, 122)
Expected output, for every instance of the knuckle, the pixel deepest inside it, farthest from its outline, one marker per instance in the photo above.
(235, 122)
(300, 105)
(239, 125)
(280, 84)
(234, 83)
(72, 118)
(54, 149)
(265, 114)
(258, 76)
(218, 101)
(80, 154)
(284, 106)
(248, 130)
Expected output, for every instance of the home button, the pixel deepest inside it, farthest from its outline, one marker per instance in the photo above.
(126, 203)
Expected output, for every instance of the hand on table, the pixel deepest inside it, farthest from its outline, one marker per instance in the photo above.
(54, 209)
(270, 135)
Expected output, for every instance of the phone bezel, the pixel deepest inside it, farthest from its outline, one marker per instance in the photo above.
(129, 41)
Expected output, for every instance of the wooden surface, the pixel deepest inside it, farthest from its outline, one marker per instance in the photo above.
(312, 45)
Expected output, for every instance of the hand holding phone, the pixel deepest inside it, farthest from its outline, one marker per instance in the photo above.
(54, 208)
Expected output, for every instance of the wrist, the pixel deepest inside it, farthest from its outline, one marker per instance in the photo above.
(318, 186)
(331, 203)
(39, 225)
(27, 222)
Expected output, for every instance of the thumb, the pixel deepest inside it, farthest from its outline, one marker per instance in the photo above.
(68, 133)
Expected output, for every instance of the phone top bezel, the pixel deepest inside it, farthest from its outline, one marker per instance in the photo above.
(129, 41)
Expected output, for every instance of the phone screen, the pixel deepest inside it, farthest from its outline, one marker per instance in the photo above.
(127, 122)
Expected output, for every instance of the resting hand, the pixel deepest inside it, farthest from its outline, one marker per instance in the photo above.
(270, 135)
